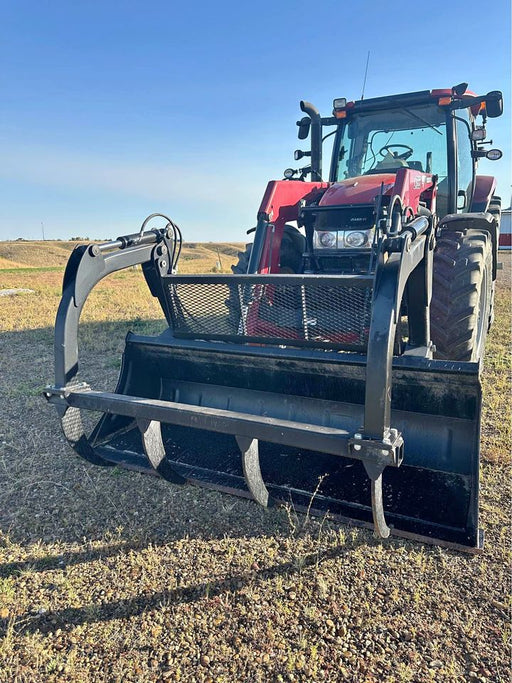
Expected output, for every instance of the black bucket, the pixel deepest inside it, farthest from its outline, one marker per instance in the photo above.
(435, 406)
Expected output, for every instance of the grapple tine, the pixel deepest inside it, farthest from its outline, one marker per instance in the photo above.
(252, 471)
(379, 521)
(72, 427)
(151, 434)
(374, 471)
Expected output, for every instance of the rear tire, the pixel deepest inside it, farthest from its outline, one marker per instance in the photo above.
(461, 294)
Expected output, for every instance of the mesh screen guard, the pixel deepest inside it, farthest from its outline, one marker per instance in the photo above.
(329, 312)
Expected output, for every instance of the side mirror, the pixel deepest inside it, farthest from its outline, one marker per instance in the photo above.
(304, 125)
(494, 104)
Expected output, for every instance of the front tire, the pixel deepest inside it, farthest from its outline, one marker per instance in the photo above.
(293, 245)
(461, 294)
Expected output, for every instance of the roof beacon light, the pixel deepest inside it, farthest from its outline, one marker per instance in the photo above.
(460, 89)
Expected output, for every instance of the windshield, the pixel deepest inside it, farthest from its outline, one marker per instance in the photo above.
(383, 141)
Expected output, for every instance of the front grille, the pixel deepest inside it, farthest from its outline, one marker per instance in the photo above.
(330, 312)
(337, 262)
(359, 217)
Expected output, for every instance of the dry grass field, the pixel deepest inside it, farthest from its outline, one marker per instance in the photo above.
(108, 575)
(196, 257)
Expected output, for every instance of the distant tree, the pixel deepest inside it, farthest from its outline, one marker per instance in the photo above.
(79, 239)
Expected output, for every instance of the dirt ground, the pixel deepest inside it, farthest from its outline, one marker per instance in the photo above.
(107, 575)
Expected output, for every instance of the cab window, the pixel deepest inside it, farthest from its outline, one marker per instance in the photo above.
(383, 141)
(464, 162)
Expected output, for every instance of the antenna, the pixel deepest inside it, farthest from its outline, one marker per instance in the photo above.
(365, 74)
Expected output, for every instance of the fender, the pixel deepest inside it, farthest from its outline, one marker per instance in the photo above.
(484, 190)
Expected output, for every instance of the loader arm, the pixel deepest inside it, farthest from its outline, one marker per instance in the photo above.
(280, 204)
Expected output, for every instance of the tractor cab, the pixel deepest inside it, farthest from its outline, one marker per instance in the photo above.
(411, 154)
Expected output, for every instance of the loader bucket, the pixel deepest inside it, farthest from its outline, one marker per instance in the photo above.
(280, 388)
(433, 494)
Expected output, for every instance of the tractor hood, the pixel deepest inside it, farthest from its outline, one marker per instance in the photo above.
(360, 190)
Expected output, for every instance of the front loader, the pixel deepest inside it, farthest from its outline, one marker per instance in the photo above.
(338, 367)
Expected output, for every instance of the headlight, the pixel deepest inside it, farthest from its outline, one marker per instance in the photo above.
(328, 239)
(342, 239)
(325, 240)
(355, 239)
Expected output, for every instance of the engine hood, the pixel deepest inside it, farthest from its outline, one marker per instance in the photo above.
(360, 190)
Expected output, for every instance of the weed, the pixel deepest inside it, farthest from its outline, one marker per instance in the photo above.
(312, 498)
(6, 588)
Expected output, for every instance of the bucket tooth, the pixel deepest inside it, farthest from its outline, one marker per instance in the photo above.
(151, 433)
(374, 471)
(252, 471)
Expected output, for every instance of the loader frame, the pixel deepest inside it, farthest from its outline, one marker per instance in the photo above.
(376, 378)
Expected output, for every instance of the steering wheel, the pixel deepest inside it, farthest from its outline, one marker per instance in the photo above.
(405, 155)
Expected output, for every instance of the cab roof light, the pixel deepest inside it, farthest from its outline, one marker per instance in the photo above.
(340, 114)
(460, 89)
(443, 101)
(339, 103)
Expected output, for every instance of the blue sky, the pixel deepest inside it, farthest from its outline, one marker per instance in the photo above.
(114, 110)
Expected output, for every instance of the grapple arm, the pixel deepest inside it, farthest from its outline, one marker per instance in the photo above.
(88, 265)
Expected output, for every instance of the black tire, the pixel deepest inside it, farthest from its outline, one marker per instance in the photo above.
(293, 245)
(461, 294)
(495, 208)
(240, 268)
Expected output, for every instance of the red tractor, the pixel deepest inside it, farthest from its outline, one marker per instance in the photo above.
(393, 160)
(339, 366)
